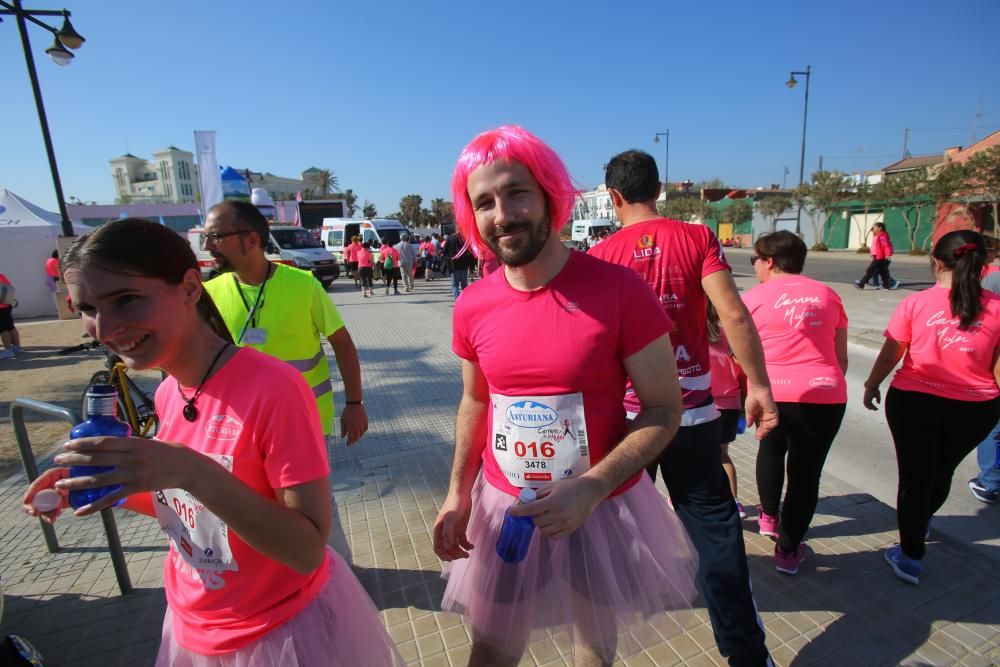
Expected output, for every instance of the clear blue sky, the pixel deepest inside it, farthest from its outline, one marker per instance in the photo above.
(387, 93)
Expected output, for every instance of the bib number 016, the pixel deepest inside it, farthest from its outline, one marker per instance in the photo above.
(544, 450)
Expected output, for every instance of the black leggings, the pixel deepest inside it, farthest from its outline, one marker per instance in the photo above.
(932, 435)
(804, 433)
(881, 267)
(366, 276)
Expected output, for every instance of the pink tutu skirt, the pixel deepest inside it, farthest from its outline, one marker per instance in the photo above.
(340, 627)
(630, 560)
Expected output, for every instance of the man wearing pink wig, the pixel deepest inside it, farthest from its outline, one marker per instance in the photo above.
(546, 345)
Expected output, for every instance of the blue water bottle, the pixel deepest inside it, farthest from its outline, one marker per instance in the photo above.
(741, 424)
(102, 400)
(516, 531)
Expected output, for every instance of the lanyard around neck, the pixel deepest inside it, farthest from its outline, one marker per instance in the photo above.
(253, 312)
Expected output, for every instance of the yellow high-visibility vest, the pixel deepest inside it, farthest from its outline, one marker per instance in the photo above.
(295, 311)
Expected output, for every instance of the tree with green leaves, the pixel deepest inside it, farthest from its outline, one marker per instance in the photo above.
(368, 210)
(869, 194)
(409, 209)
(350, 201)
(983, 179)
(715, 183)
(907, 191)
(771, 207)
(943, 185)
(442, 211)
(736, 213)
(687, 208)
(825, 190)
(323, 182)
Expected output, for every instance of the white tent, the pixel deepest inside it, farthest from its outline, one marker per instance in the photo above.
(27, 238)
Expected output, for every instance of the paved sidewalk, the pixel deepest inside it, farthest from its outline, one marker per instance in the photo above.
(844, 607)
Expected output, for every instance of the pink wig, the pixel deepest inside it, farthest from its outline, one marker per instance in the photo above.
(510, 143)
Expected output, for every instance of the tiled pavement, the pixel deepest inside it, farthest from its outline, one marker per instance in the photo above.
(844, 607)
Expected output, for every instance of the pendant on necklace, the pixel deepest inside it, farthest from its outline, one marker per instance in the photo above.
(190, 412)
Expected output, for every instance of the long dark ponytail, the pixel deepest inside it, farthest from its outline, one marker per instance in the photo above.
(963, 252)
(138, 247)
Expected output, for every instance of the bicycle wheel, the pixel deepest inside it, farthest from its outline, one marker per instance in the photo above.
(100, 377)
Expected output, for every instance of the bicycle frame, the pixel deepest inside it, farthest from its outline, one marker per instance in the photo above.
(120, 380)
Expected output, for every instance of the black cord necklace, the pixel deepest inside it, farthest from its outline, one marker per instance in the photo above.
(190, 411)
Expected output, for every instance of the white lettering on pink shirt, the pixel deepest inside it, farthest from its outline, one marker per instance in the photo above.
(794, 314)
(948, 338)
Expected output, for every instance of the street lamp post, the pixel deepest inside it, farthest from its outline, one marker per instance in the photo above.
(666, 159)
(802, 157)
(65, 37)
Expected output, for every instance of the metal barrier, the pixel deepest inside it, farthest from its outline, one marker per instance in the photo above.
(17, 408)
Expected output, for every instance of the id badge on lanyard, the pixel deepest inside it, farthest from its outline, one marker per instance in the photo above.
(539, 439)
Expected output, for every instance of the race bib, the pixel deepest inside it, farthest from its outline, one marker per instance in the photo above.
(539, 439)
(200, 537)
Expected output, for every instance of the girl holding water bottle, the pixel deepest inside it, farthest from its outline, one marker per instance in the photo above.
(237, 476)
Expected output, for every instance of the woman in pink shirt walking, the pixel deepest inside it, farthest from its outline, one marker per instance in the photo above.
(944, 399)
(803, 329)
(237, 476)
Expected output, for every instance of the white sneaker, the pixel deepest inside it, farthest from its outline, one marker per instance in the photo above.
(7, 354)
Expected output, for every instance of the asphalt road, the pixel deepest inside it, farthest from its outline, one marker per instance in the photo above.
(913, 273)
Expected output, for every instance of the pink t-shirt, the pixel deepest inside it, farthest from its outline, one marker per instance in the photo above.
(52, 267)
(386, 251)
(569, 336)
(427, 247)
(364, 258)
(797, 318)
(726, 375)
(4, 281)
(942, 359)
(353, 251)
(673, 257)
(258, 418)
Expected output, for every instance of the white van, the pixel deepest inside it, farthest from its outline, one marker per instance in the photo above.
(287, 244)
(584, 230)
(336, 234)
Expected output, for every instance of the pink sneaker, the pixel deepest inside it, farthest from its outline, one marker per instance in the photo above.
(767, 525)
(789, 561)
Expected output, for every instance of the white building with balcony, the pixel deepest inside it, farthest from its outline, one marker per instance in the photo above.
(171, 177)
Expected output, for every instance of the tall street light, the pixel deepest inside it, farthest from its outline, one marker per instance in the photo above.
(802, 158)
(666, 159)
(64, 38)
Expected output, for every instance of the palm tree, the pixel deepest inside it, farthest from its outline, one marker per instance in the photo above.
(350, 201)
(324, 182)
(368, 210)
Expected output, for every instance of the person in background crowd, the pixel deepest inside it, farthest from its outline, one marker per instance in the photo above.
(366, 269)
(803, 328)
(390, 266)
(728, 380)
(8, 332)
(427, 252)
(284, 312)
(881, 251)
(407, 260)
(351, 253)
(52, 271)
(985, 486)
(944, 399)
(462, 261)
(249, 579)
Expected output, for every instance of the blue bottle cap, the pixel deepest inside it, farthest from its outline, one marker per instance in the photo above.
(101, 389)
